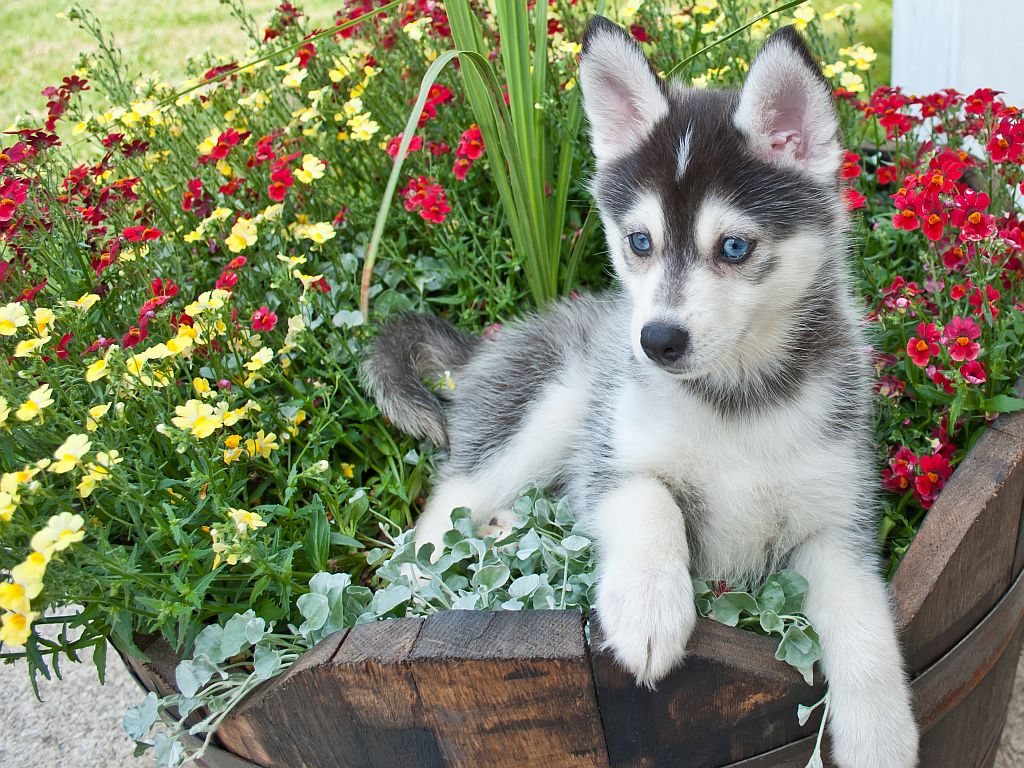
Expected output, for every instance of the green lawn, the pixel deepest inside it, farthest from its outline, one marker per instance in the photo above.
(37, 48)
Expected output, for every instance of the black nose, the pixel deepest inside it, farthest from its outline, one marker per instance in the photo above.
(664, 343)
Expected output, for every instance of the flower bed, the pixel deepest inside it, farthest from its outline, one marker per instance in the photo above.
(189, 274)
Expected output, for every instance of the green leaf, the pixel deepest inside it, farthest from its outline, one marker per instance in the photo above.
(139, 719)
(314, 609)
(266, 662)
(771, 623)
(795, 586)
(727, 607)
(491, 577)
(772, 596)
(318, 537)
(1003, 404)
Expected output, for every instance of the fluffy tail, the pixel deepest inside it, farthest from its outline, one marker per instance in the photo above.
(406, 350)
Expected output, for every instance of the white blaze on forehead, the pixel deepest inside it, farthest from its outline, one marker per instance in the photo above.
(683, 158)
(718, 219)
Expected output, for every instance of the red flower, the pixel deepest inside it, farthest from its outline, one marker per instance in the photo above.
(471, 143)
(227, 280)
(853, 199)
(978, 304)
(887, 174)
(392, 145)
(969, 214)
(979, 101)
(935, 471)
(922, 347)
(851, 166)
(280, 181)
(639, 33)
(906, 219)
(461, 167)
(12, 194)
(263, 319)
(1007, 142)
(973, 372)
(134, 336)
(435, 208)
(141, 234)
(959, 337)
(897, 476)
(954, 259)
(934, 225)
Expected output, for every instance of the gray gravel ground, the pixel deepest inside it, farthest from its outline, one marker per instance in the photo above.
(78, 725)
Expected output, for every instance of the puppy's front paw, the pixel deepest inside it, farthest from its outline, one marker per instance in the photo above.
(647, 619)
(873, 731)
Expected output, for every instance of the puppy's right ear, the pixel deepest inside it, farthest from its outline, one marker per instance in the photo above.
(622, 94)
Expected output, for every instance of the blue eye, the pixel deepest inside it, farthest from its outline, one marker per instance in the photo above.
(640, 243)
(735, 249)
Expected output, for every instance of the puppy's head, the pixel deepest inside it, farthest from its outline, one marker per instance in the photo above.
(722, 209)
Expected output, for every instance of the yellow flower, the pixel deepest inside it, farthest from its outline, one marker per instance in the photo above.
(96, 413)
(31, 570)
(38, 400)
(852, 82)
(705, 8)
(312, 168)
(12, 317)
(243, 234)
(43, 318)
(415, 29)
(232, 451)
(208, 300)
(83, 302)
(833, 70)
(26, 347)
(348, 470)
(291, 261)
(96, 370)
(860, 56)
(319, 233)
(15, 628)
(70, 453)
(803, 16)
(246, 521)
(8, 506)
(262, 445)
(363, 128)
(260, 359)
(196, 417)
(14, 598)
(202, 387)
(61, 532)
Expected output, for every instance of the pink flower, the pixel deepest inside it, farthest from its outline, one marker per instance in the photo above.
(263, 319)
(922, 347)
(959, 337)
(973, 372)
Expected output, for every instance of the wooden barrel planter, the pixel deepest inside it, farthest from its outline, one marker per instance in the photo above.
(471, 689)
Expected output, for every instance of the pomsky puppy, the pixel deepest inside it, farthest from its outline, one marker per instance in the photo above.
(711, 414)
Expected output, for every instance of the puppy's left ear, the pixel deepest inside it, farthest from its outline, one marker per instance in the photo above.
(786, 109)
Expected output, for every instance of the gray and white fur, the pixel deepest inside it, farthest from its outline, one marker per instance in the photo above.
(710, 416)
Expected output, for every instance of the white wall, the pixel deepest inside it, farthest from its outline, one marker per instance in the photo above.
(964, 44)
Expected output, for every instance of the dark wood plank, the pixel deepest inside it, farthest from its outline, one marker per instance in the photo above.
(965, 735)
(944, 685)
(374, 684)
(502, 688)
(962, 559)
(732, 699)
(291, 720)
